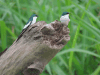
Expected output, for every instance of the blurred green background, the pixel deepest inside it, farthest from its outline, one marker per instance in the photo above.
(81, 55)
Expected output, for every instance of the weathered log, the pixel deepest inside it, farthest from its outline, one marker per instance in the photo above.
(38, 45)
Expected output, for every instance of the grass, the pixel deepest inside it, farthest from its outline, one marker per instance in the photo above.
(81, 55)
(3, 34)
(75, 37)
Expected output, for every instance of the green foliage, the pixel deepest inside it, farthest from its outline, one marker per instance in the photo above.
(81, 55)
(3, 35)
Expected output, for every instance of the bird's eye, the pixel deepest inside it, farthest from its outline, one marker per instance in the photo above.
(36, 15)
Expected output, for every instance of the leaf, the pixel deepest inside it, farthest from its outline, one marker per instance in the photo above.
(3, 35)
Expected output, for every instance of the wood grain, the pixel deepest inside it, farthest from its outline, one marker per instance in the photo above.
(38, 45)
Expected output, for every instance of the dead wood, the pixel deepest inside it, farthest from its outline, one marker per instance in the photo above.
(38, 45)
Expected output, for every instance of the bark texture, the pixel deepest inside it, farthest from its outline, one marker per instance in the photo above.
(38, 45)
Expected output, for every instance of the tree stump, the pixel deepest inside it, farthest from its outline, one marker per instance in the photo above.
(38, 45)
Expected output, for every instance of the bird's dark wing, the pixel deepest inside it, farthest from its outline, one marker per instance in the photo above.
(21, 34)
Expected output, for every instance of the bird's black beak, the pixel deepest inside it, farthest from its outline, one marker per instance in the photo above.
(37, 16)
(68, 13)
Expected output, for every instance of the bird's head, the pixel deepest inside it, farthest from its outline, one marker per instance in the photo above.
(32, 18)
(65, 18)
(34, 15)
(65, 13)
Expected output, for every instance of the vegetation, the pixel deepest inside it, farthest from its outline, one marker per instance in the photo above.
(81, 55)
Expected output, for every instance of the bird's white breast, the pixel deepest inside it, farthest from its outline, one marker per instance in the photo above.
(34, 20)
(65, 19)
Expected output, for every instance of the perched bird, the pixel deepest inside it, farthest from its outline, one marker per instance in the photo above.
(31, 21)
(65, 18)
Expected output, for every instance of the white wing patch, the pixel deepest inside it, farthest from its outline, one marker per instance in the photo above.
(34, 20)
(26, 25)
